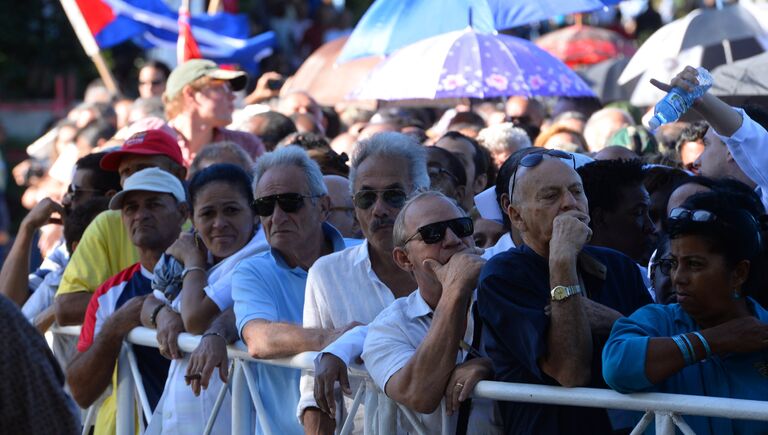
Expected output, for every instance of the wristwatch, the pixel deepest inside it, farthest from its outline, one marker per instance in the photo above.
(560, 292)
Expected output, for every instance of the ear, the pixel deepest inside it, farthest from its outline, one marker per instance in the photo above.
(740, 274)
(401, 259)
(513, 213)
(504, 200)
(461, 195)
(184, 211)
(728, 156)
(479, 184)
(325, 207)
(110, 193)
(188, 93)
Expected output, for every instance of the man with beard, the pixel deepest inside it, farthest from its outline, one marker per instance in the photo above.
(88, 182)
(356, 284)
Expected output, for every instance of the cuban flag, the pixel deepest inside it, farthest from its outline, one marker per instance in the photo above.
(222, 37)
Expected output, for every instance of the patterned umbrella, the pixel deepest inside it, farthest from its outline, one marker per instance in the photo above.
(468, 64)
(580, 45)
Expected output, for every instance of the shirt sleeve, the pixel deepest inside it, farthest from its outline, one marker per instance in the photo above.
(252, 295)
(514, 323)
(624, 354)
(749, 148)
(386, 349)
(88, 330)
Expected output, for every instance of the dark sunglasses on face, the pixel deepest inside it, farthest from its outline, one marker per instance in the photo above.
(534, 159)
(394, 198)
(289, 203)
(75, 191)
(680, 213)
(152, 82)
(435, 232)
(436, 171)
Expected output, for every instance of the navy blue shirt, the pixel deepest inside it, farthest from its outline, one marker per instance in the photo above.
(514, 289)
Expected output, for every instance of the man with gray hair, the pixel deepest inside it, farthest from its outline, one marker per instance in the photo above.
(421, 349)
(356, 284)
(502, 140)
(268, 290)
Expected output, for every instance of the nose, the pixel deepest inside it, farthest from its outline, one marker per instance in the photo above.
(451, 239)
(380, 207)
(570, 202)
(219, 221)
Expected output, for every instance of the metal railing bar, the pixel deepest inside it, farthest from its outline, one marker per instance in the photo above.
(349, 421)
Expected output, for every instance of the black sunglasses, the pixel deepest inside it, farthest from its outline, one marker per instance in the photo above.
(436, 171)
(534, 159)
(394, 198)
(435, 232)
(289, 203)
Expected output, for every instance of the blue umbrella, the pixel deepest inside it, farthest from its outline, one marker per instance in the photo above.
(470, 64)
(391, 24)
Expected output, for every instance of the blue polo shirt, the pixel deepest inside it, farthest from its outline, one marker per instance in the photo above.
(514, 289)
(265, 287)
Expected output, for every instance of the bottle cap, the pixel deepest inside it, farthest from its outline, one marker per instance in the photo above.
(653, 123)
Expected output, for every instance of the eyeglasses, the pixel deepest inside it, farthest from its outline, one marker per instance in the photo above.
(289, 203)
(74, 191)
(435, 232)
(436, 171)
(152, 83)
(680, 213)
(394, 198)
(534, 159)
(665, 265)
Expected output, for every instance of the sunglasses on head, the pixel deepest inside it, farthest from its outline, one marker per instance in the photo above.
(534, 159)
(394, 198)
(435, 232)
(680, 213)
(289, 203)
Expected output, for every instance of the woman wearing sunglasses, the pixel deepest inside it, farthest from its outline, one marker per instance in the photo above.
(193, 293)
(714, 340)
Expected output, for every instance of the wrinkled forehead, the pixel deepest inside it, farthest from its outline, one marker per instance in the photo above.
(552, 171)
(429, 210)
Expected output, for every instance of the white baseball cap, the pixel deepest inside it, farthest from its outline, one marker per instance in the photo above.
(149, 180)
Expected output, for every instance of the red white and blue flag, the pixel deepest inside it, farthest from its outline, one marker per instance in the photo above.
(222, 37)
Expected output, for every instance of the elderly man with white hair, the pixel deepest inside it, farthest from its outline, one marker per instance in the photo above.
(502, 140)
(268, 289)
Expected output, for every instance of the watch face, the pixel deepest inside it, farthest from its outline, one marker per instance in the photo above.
(559, 293)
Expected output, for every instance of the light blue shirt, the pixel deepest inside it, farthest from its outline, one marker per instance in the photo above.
(749, 148)
(265, 287)
(738, 376)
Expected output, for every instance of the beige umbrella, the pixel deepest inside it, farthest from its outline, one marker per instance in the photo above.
(324, 79)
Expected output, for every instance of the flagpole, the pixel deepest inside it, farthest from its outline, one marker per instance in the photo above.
(89, 44)
(214, 6)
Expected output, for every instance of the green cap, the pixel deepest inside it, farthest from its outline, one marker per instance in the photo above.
(194, 69)
(636, 138)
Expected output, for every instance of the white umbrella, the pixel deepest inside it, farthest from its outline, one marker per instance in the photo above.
(705, 37)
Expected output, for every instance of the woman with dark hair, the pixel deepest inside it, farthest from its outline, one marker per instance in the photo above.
(193, 293)
(714, 340)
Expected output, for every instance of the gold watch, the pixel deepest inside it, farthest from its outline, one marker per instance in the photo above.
(560, 292)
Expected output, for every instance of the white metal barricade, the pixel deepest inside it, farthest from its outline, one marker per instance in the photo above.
(664, 410)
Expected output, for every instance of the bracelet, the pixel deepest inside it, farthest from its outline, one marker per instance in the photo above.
(155, 312)
(213, 333)
(687, 358)
(704, 342)
(691, 350)
(190, 269)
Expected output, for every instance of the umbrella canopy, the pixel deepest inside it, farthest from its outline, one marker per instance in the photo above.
(580, 45)
(704, 37)
(743, 78)
(469, 64)
(326, 80)
(603, 79)
(392, 24)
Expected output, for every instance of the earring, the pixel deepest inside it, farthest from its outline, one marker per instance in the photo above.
(736, 295)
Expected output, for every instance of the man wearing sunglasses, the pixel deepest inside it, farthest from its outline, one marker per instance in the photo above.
(548, 305)
(422, 348)
(355, 285)
(268, 290)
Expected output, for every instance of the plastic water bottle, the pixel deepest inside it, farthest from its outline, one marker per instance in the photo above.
(678, 101)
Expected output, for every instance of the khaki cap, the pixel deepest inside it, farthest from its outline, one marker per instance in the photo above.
(194, 69)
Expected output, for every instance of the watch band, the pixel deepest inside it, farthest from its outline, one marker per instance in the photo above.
(561, 292)
(155, 312)
(191, 269)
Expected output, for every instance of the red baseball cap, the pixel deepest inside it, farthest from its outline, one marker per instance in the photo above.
(148, 143)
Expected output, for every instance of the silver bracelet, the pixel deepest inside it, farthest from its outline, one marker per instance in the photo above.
(190, 269)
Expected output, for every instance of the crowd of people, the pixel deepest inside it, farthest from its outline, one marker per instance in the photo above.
(550, 242)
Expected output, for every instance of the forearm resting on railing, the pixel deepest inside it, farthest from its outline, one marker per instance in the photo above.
(70, 307)
(90, 372)
(268, 340)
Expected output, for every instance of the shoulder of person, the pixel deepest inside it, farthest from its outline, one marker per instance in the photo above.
(610, 257)
(332, 262)
(513, 263)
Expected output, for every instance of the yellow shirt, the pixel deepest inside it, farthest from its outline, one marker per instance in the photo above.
(104, 250)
